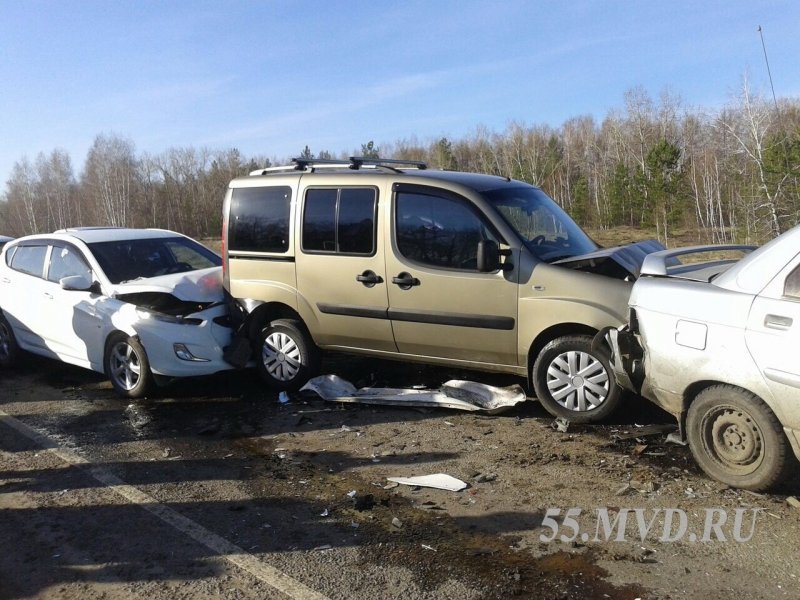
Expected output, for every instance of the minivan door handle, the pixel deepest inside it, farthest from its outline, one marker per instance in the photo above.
(369, 278)
(405, 281)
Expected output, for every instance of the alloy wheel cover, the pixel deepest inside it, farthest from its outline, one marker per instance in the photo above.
(578, 381)
(125, 366)
(281, 356)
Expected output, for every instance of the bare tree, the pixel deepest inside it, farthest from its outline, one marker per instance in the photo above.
(109, 179)
(55, 187)
(21, 196)
(749, 125)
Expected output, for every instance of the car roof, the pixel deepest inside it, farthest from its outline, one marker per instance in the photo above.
(752, 274)
(359, 167)
(110, 234)
(5, 238)
(90, 235)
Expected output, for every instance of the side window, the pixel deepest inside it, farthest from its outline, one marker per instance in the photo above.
(439, 231)
(29, 259)
(792, 286)
(66, 262)
(259, 219)
(340, 221)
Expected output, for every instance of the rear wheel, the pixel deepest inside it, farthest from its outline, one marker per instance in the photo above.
(287, 356)
(575, 381)
(127, 367)
(9, 349)
(737, 439)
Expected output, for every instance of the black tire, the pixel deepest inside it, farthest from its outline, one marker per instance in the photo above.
(574, 381)
(127, 366)
(9, 349)
(286, 355)
(737, 439)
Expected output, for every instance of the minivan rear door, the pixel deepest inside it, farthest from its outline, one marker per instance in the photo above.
(341, 277)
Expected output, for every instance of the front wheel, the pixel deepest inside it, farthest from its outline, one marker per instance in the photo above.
(575, 381)
(127, 367)
(737, 439)
(287, 356)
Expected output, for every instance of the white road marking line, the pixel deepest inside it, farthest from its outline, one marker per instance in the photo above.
(225, 549)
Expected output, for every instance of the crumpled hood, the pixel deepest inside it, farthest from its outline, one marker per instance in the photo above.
(201, 286)
(629, 257)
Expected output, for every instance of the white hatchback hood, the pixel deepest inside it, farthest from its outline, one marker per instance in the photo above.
(201, 286)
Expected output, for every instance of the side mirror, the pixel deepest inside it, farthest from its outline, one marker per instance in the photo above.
(488, 256)
(76, 283)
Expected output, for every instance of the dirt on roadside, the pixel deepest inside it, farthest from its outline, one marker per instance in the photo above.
(305, 484)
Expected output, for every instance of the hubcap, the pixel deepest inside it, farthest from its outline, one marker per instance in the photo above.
(733, 438)
(281, 356)
(577, 381)
(126, 369)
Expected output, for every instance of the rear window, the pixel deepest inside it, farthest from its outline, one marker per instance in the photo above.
(259, 219)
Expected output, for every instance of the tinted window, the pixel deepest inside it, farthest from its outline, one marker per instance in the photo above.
(29, 259)
(127, 260)
(339, 220)
(66, 262)
(259, 219)
(319, 220)
(356, 222)
(439, 231)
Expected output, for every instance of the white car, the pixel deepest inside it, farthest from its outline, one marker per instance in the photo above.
(140, 305)
(715, 344)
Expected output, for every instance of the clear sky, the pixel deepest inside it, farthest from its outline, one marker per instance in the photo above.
(270, 77)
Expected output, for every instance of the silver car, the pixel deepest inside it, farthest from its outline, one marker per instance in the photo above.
(715, 345)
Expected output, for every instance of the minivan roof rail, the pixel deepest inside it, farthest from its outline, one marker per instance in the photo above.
(354, 163)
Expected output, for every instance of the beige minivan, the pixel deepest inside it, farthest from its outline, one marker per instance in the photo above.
(391, 259)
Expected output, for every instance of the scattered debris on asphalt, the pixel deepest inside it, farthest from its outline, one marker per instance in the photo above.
(457, 394)
(439, 481)
(643, 431)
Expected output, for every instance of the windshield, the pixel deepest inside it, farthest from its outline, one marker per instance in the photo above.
(544, 227)
(127, 260)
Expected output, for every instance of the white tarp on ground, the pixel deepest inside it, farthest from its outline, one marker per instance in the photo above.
(458, 394)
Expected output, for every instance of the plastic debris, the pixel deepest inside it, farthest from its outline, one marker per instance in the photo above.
(793, 502)
(439, 481)
(561, 424)
(457, 394)
(283, 398)
(397, 523)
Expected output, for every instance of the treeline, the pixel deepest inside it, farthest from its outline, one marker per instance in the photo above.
(730, 176)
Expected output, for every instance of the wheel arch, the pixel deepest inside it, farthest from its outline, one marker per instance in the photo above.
(548, 335)
(266, 313)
